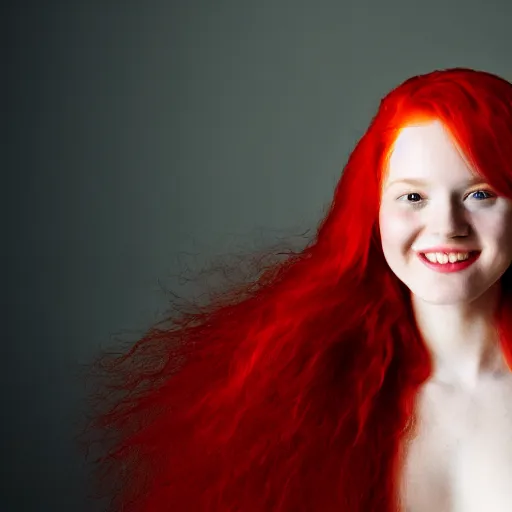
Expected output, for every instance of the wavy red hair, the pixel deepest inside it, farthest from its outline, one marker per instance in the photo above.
(294, 392)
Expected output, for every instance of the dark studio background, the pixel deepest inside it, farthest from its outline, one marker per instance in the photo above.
(140, 131)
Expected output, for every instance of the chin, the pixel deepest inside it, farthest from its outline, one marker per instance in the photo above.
(447, 297)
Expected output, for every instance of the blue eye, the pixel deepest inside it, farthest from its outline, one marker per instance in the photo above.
(489, 195)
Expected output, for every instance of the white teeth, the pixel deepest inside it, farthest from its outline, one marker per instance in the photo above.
(443, 258)
(452, 258)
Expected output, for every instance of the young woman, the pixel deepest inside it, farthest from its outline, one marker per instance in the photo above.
(369, 372)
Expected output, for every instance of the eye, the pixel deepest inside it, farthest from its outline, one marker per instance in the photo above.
(409, 197)
(484, 192)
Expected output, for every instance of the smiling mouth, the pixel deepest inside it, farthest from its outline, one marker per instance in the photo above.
(443, 264)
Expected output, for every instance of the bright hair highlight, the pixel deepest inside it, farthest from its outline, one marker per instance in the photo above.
(295, 392)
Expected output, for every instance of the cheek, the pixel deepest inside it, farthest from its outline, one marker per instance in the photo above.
(496, 231)
(396, 228)
(497, 226)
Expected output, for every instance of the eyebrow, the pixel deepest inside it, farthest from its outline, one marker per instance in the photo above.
(422, 183)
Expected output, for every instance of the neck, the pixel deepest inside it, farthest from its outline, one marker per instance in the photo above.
(461, 338)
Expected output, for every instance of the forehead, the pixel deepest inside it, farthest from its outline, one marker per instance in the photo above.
(428, 152)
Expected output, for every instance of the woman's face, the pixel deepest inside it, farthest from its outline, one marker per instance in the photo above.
(431, 198)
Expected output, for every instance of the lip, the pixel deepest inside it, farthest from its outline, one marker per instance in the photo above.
(449, 267)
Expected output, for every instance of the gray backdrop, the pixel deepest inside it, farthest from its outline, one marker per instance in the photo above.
(138, 131)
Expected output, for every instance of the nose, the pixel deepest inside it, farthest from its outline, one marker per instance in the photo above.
(448, 220)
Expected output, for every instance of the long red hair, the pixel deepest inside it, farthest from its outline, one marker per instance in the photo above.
(294, 392)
